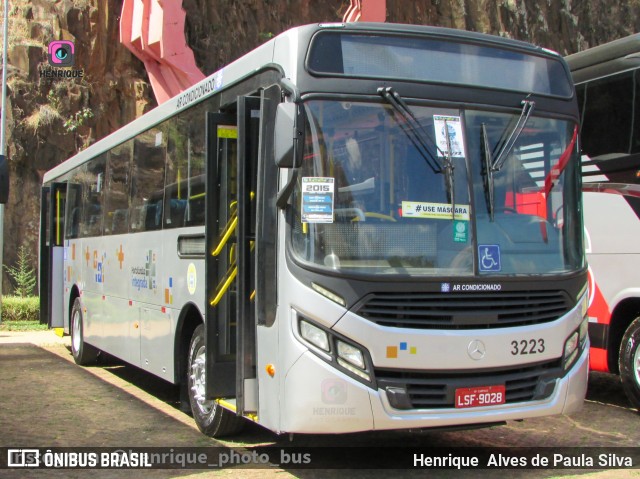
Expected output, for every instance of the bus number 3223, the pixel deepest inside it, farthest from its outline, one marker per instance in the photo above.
(527, 346)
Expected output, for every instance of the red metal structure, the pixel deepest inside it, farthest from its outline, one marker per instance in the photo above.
(154, 32)
(366, 11)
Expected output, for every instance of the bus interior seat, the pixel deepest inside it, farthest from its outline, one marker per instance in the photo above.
(176, 216)
(120, 221)
(153, 216)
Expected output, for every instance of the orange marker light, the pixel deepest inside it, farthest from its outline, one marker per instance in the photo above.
(271, 370)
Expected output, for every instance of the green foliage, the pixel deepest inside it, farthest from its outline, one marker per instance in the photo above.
(54, 100)
(22, 274)
(79, 119)
(20, 309)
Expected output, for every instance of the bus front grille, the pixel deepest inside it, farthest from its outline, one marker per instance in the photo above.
(464, 311)
(408, 389)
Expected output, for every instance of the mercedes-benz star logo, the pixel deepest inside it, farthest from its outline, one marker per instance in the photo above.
(476, 349)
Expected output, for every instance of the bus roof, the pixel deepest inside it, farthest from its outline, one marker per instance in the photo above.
(613, 57)
(280, 52)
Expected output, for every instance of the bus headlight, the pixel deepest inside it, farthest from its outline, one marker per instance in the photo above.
(584, 330)
(350, 353)
(314, 335)
(570, 349)
(337, 350)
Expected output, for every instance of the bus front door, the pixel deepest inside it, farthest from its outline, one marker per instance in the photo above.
(232, 152)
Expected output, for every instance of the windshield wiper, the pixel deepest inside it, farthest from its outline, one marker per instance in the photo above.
(414, 130)
(487, 170)
(507, 146)
(491, 166)
(422, 141)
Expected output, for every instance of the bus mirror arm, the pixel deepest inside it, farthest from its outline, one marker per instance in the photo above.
(290, 89)
(285, 193)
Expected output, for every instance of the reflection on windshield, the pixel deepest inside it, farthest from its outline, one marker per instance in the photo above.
(368, 202)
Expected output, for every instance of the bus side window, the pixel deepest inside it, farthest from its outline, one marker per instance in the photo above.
(73, 210)
(147, 183)
(184, 185)
(117, 189)
(194, 214)
(93, 197)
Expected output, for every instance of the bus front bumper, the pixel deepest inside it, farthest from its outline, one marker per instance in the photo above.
(319, 399)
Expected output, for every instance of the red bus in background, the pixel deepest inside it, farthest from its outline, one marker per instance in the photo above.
(607, 81)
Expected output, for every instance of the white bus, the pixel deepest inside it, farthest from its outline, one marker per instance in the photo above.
(353, 227)
(607, 81)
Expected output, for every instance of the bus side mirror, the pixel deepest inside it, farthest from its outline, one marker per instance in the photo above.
(287, 144)
(4, 179)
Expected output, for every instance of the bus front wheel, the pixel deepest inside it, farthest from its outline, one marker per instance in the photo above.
(83, 353)
(211, 418)
(629, 363)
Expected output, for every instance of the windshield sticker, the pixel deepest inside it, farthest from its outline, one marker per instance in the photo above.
(442, 211)
(317, 199)
(489, 255)
(453, 125)
(460, 231)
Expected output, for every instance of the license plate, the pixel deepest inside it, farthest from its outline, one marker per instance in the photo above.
(480, 396)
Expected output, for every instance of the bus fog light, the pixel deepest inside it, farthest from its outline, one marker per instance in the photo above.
(314, 335)
(351, 354)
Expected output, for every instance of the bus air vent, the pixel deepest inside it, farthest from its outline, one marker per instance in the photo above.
(464, 311)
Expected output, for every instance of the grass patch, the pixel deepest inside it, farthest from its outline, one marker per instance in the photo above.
(44, 116)
(22, 326)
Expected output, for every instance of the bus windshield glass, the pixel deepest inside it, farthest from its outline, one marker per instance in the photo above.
(415, 58)
(379, 195)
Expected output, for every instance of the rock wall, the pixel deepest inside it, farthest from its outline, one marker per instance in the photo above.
(50, 120)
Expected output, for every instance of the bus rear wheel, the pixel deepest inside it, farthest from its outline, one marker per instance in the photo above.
(211, 418)
(83, 353)
(629, 363)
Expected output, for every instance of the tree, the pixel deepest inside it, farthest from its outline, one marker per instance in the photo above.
(23, 275)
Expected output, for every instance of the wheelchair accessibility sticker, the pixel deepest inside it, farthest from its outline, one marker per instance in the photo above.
(489, 257)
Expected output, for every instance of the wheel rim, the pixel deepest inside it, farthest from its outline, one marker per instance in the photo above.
(75, 331)
(636, 365)
(198, 381)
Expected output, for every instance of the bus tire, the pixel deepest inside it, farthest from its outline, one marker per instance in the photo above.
(211, 418)
(629, 363)
(83, 353)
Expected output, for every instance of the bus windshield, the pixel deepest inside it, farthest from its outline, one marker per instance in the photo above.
(378, 194)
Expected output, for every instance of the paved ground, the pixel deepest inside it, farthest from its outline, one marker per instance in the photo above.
(47, 401)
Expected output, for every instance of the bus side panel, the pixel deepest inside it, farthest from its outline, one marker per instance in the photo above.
(177, 284)
(91, 293)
